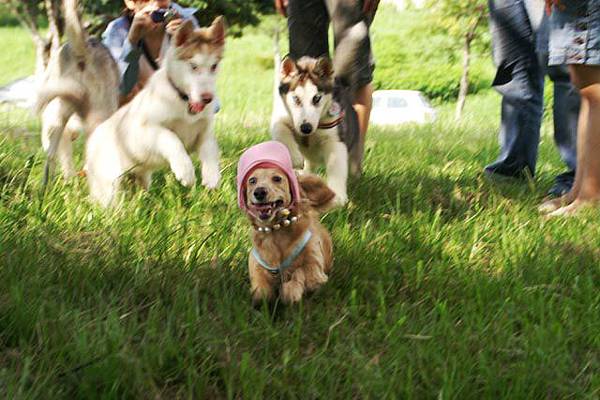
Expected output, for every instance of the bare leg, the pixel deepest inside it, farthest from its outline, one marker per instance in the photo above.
(363, 103)
(586, 189)
(554, 204)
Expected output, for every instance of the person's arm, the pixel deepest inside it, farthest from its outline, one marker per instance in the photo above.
(123, 40)
(127, 55)
(281, 7)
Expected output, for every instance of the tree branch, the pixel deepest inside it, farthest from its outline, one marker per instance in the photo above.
(25, 16)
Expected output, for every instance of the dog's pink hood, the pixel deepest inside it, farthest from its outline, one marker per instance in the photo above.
(270, 153)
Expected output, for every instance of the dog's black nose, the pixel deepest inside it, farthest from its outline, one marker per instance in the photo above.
(260, 193)
(306, 128)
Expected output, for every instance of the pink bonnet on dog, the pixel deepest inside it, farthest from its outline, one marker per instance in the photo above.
(267, 154)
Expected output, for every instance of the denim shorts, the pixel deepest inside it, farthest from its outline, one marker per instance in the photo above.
(575, 33)
(308, 23)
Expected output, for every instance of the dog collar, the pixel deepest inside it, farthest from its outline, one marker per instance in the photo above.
(332, 124)
(285, 222)
(289, 260)
(180, 92)
(182, 96)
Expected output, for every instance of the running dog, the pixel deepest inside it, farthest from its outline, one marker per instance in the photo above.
(313, 114)
(80, 89)
(291, 247)
(171, 118)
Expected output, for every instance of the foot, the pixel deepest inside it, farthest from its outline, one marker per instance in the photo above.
(340, 199)
(261, 295)
(501, 172)
(184, 172)
(211, 177)
(573, 208)
(552, 205)
(292, 292)
(562, 184)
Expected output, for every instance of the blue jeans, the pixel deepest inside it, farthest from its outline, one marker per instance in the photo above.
(520, 52)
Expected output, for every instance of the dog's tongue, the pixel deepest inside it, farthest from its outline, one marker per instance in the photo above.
(197, 107)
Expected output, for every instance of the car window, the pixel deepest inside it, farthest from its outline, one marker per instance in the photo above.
(377, 101)
(397, 102)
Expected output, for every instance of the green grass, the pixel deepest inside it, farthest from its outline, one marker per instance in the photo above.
(18, 53)
(444, 286)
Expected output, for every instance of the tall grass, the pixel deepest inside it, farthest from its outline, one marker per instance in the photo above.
(444, 286)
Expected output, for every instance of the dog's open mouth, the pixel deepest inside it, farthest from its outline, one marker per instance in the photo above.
(195, 108)
(267, 210)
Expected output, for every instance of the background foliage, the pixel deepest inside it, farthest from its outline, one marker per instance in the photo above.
(445, 285)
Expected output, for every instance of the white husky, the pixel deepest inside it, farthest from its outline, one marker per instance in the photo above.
(169, 119)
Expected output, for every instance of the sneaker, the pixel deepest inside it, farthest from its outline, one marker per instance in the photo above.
(562, 184)
(496, 171)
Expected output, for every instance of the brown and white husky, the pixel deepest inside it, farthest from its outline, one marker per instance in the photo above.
(313, 114)
(80, 89)
(170, 119)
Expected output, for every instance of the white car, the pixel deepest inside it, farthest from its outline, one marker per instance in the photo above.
(395, 107)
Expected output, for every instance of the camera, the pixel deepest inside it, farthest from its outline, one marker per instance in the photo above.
(162, 15)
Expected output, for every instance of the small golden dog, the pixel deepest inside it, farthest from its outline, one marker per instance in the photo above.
(291, 247)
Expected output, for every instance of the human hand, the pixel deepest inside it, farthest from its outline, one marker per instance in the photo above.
(281, 7)
(174, 25)
(142, 24)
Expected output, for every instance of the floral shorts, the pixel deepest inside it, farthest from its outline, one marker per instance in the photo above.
(575, 33)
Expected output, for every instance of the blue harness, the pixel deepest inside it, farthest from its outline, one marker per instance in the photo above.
(289, 260)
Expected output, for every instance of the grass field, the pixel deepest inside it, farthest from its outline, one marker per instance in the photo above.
(445, 285)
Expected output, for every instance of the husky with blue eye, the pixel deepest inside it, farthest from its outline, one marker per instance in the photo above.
(313, 114)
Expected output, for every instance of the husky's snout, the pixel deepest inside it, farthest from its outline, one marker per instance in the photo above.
(306, 128)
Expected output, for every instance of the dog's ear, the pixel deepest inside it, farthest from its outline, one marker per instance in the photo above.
(217, 31)
(323, 67)
(313, 188)
(288, 66)
(184, 33)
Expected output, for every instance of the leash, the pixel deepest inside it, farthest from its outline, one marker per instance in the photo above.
(288, 261)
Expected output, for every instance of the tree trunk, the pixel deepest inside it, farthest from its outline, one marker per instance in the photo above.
(464, 80)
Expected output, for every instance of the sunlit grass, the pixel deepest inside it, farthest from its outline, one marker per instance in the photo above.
(445, 285)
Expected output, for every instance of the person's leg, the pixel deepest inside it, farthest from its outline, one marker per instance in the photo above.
(344, 14)
(586, 190)
(566, 114)
(363, 103)
(522, 110)
(520, 81)
(554, 204)
(308, 24)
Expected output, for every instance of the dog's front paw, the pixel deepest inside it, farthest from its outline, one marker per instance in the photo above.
(340, 200)
(292, 292)
(211, 178)
(184, 172)
(261, 295)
